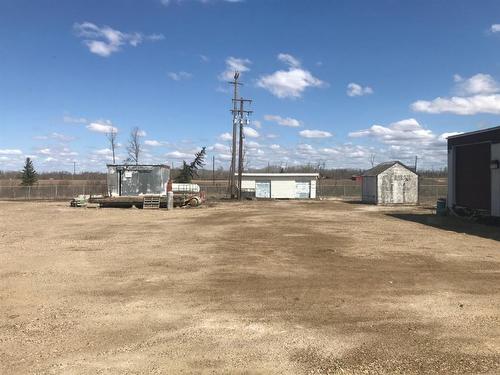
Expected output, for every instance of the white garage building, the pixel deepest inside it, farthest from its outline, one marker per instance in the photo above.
(279, 185)
(390, 183)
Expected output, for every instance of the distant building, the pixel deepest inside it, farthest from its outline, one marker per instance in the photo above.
(134, 180)
(279, 185)
(390, 183)
(474, 171)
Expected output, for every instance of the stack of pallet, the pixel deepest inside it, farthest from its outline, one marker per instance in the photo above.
(151, 202)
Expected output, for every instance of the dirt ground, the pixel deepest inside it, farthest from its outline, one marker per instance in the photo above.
(260, 287)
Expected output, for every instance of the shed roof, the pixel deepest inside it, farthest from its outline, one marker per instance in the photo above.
(280, 175)
(479, 136)
(375, 171)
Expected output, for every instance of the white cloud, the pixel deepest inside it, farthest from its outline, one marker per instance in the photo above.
(219, 147)
(402, 131)
(256, 124)
(407, 138)
(104, 151)
(44, 151)
(475, 85)
(102, 127)
(477, 94)
(289, 83)
(62, 137)
(226, 137)
(495, 28)
(74, 120)
(180, 76)
(283, 121)
(234, 64)
(289, 60)
(104, 41)
(152, 142)
(141, 133)
(7, 151)
(250, 132)
(315, 134)
(354, 89)
(178, 155)
(275, 147)
(459, 105)
(252, 144)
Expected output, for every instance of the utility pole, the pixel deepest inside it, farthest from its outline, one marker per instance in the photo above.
(241, 115)
(213, 170)
(234, 111)
(74, 169)
(416, 163)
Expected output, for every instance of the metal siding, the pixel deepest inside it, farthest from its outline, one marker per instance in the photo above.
(369, 189)
(113, 181)
(302, 189)
(137, 179)
(473, 176)
(263, 189)
(450, 201)
(398, 185)
(495, 182)
(248, 184)
(313, 189)
(283, 189)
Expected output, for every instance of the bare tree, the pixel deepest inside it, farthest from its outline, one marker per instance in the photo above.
(134, 147)
(372, 159)
(112, 141)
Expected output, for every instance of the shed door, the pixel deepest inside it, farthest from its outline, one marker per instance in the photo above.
(473, 176)
(302, 190)
(263, 189)
(495, 182)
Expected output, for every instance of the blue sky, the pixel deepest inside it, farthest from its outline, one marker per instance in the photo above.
(332, 81)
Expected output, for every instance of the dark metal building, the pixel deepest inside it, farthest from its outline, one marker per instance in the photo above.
(474, 171)
(135, 180)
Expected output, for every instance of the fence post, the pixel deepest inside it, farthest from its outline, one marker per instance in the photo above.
(56, 192)
(29, 192)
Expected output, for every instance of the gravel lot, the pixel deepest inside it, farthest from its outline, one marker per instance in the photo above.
(259, 287)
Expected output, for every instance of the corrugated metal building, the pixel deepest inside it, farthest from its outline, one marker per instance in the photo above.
(474, 171)
(390, 183)
(135, 180)
(279, 185)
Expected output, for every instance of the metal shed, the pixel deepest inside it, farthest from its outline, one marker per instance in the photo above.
(135, 180)
(390, 183)
(279, 185)
(474, 171)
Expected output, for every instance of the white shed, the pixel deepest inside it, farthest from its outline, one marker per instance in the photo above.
(390, 183)
(279, 185)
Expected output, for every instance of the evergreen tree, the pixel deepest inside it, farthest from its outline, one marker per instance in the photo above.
(188, 171)
(28, 175)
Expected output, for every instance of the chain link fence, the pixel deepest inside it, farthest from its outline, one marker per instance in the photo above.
(51, 192)
(429, 194)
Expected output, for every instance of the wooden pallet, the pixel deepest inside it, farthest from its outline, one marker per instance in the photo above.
(151, 202)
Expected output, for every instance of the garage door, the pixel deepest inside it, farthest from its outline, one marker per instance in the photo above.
(302, 190)
(473, 176)
(263, 189)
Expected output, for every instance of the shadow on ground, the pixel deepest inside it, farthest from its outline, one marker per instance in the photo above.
(455, 224)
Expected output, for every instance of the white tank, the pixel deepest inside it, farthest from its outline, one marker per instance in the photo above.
(185, 188)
